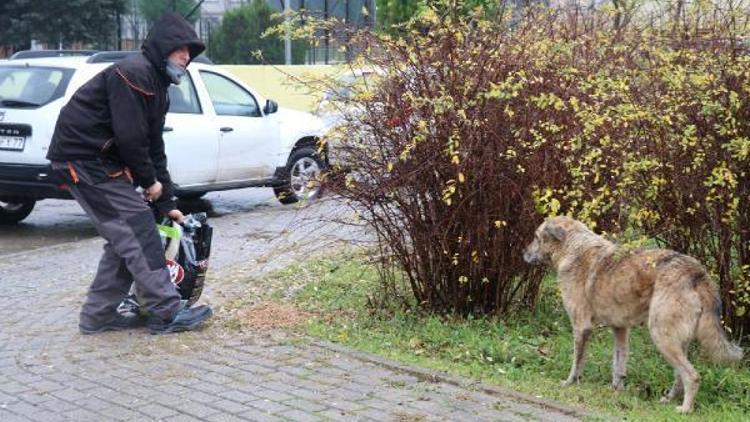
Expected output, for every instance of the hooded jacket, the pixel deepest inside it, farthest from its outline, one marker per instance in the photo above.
(118, 115)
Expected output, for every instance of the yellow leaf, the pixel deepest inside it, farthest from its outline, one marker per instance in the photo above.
(554, 206)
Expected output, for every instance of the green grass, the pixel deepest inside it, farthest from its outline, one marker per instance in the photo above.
(528, 352)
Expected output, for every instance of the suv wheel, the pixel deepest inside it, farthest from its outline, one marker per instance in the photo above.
(302, 177)
(14, 210)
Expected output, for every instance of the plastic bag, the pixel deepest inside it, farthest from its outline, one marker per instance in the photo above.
(189, 264)
(187, 251)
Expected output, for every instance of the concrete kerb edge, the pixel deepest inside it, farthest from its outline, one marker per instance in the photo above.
(438, 376)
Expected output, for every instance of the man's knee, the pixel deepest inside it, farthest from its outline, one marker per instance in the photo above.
(144, 229)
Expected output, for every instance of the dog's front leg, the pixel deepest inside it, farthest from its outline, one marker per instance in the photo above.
(580, 338)
(620, 358)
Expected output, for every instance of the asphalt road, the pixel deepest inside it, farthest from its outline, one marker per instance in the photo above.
(55, 221)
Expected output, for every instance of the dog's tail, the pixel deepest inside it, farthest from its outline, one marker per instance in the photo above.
(710, 333)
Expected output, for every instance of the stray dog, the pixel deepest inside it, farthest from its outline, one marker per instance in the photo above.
(602, 284)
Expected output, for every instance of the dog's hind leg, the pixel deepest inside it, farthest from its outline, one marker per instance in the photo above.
(672, 325)
(620, 358)
(685, 374)
(677, 389)
(580, 338)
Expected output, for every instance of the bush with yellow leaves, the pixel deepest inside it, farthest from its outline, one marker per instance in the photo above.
(483, 124)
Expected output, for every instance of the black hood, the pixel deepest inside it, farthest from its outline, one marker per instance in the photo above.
(169, 33)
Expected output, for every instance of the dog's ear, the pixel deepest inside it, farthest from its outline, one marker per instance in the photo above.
(555, 231)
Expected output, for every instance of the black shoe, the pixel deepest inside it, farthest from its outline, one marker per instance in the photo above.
(187, 319)
(129, 307)
(117, 323)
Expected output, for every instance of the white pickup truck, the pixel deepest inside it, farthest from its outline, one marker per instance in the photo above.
(219, 133)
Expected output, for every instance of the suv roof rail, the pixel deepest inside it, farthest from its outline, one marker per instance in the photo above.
(202, 59)
(94, 56)
(113, 56)
(34, 54)
(109, 56)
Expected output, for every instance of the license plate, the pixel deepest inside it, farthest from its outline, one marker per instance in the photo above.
(12, 143)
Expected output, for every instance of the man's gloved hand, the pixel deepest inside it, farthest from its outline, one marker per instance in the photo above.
(176, 215)
(153, 192)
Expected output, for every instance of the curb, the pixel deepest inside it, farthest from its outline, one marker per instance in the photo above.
(440, 376)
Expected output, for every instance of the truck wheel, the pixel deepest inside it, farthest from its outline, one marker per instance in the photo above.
(302, 177)
(14, 210)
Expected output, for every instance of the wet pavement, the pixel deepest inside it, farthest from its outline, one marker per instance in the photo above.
(56, 221)
(53, 221)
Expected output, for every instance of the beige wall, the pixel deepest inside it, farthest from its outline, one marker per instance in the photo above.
(283, 83)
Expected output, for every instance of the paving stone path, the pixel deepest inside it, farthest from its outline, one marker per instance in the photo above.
(50, 372)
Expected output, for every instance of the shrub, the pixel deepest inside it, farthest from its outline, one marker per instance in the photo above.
(447, 152)
(480, 127)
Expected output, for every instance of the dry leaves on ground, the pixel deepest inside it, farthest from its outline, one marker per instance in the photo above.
(272, 315)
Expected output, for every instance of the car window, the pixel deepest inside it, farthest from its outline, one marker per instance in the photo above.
(228, 98)
(182, 98)
(30, 87)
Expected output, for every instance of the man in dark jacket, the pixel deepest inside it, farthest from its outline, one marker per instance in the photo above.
(108, 137)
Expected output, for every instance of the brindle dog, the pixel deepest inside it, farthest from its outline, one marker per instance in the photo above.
(602, 284)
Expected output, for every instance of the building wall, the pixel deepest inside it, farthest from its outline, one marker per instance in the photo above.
(282, 83)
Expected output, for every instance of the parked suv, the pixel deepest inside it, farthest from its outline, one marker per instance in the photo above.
(219, 133)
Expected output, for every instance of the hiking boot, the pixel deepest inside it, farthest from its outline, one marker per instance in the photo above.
(117, 323)
(186, 319)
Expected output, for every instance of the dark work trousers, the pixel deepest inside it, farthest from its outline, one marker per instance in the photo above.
(133, 252)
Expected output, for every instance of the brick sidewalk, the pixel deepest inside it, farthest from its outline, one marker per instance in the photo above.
(49, 372)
